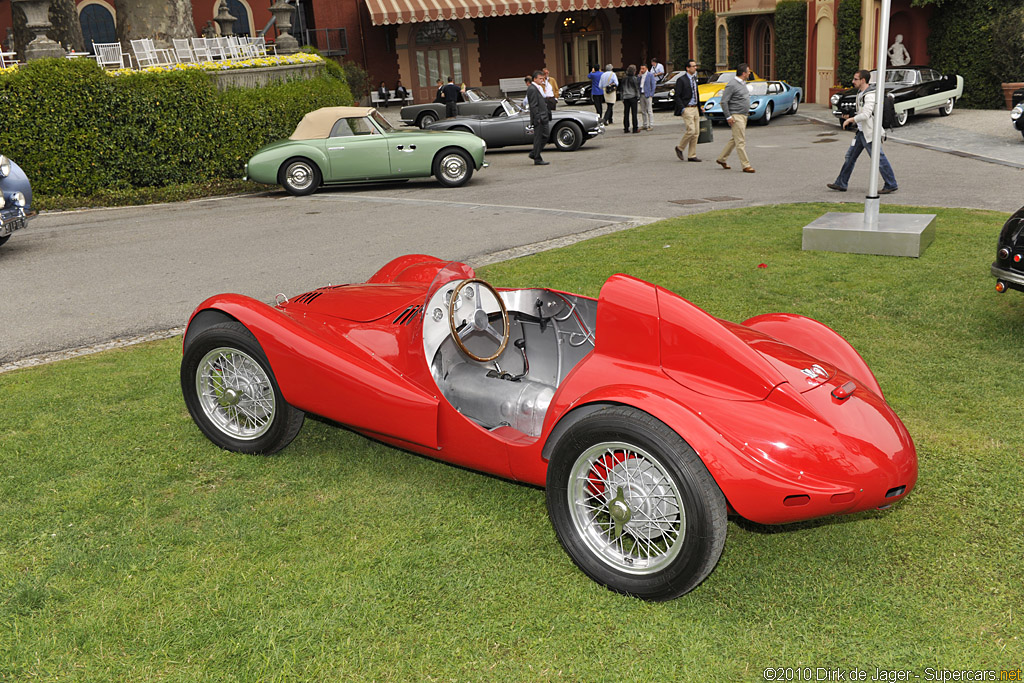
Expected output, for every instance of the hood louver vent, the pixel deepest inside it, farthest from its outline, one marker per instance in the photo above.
(307, 298)
(407, 316)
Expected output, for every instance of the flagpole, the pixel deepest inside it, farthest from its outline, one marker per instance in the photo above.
(871, 202)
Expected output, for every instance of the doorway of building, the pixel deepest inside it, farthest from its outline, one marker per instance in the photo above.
(763, 46)
(582, 45)
(439, 49)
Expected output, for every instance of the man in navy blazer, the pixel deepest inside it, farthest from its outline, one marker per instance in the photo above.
(687, 98)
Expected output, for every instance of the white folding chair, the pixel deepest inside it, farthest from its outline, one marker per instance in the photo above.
(182, 50)
(260, 43)
(163, 55)
(201, 49)
(109, 55)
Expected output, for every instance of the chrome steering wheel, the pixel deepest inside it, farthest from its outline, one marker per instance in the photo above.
(466, 315)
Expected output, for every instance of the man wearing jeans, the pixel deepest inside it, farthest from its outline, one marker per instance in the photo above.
(865, 120)
(735, 109)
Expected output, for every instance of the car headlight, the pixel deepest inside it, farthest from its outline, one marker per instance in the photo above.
(3, 202)
(835, 99)
(1017, 112)
(5, 166)
(18, 199)
(708, 106)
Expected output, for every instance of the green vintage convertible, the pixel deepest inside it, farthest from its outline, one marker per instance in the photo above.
(337, 145)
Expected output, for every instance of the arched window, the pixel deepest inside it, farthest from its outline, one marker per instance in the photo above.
(97, 25)
(723, 45)
(241, 12)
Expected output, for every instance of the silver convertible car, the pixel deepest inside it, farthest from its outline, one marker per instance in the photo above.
(511, 126)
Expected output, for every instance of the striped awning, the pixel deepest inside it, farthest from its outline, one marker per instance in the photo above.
(384, 12)
(741, 7)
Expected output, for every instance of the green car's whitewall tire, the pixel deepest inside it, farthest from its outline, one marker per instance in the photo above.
(453, 167)
(299, 176)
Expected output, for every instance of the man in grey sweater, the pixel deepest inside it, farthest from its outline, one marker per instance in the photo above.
(735, 108)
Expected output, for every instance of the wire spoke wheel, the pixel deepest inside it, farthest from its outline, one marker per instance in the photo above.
(230, 389)
(626, 507)
(235, 393)
(632, 503)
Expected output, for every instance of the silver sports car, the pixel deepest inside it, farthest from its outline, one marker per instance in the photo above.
(511, 126)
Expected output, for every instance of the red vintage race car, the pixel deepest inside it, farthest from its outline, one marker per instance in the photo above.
(647, 419)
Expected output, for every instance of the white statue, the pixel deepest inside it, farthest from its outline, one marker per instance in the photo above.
(898, 55)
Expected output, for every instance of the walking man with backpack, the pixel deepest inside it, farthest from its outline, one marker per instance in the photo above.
(866, 119)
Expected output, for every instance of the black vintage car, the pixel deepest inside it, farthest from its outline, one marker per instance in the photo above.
(579, 92)
(15, 198)
(1008, 267)
(476, 103)
(664, 94)
(1017, 113)
(914, 89)
(569, 128)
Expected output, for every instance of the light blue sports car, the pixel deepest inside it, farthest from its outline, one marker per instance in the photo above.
(767, 100)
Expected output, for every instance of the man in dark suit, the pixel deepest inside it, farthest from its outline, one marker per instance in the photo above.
(451, 96)
(540, 117)
(688, 99)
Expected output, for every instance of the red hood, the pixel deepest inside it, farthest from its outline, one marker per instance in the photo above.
(358, 303)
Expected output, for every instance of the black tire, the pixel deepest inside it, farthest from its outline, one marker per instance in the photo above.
(299, 176)
(677, 541)
(947, 108)
(3, 240)
(567, 136)
(453, 167)
(767, 118)
(796, 104)
(1022, 134)
(902, 117)
(426, 118)
(231, 393)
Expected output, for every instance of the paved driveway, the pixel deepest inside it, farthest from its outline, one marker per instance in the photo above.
(86, 277)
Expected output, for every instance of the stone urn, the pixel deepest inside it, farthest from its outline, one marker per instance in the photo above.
(37, 20)
(225, 20)
(286, 43)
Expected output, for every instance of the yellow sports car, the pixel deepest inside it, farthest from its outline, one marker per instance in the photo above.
(716, 84)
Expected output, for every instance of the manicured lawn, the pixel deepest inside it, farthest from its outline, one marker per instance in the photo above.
(132, 549)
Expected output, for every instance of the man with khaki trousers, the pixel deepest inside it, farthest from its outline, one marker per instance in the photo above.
(688, 98)
(735, 108)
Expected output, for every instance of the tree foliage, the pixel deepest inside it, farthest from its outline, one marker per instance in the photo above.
(961, 42)
(848, 25)
(706, 39)
(679, 39)
(736, 26)
(791, 41)
(1008, 44)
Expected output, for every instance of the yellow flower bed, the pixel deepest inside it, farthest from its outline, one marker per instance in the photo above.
(225, 64)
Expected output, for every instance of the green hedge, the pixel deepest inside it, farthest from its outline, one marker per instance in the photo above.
(737, 30)
(961, 42)
(706, 39)
(848, 24)
(679, 40)
(791, 41)
(76, 130)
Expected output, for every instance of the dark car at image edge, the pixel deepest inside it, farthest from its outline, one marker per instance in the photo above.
(15, 198)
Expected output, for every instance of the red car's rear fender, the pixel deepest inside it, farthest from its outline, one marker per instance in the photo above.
(818, 340)
(321, 373)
